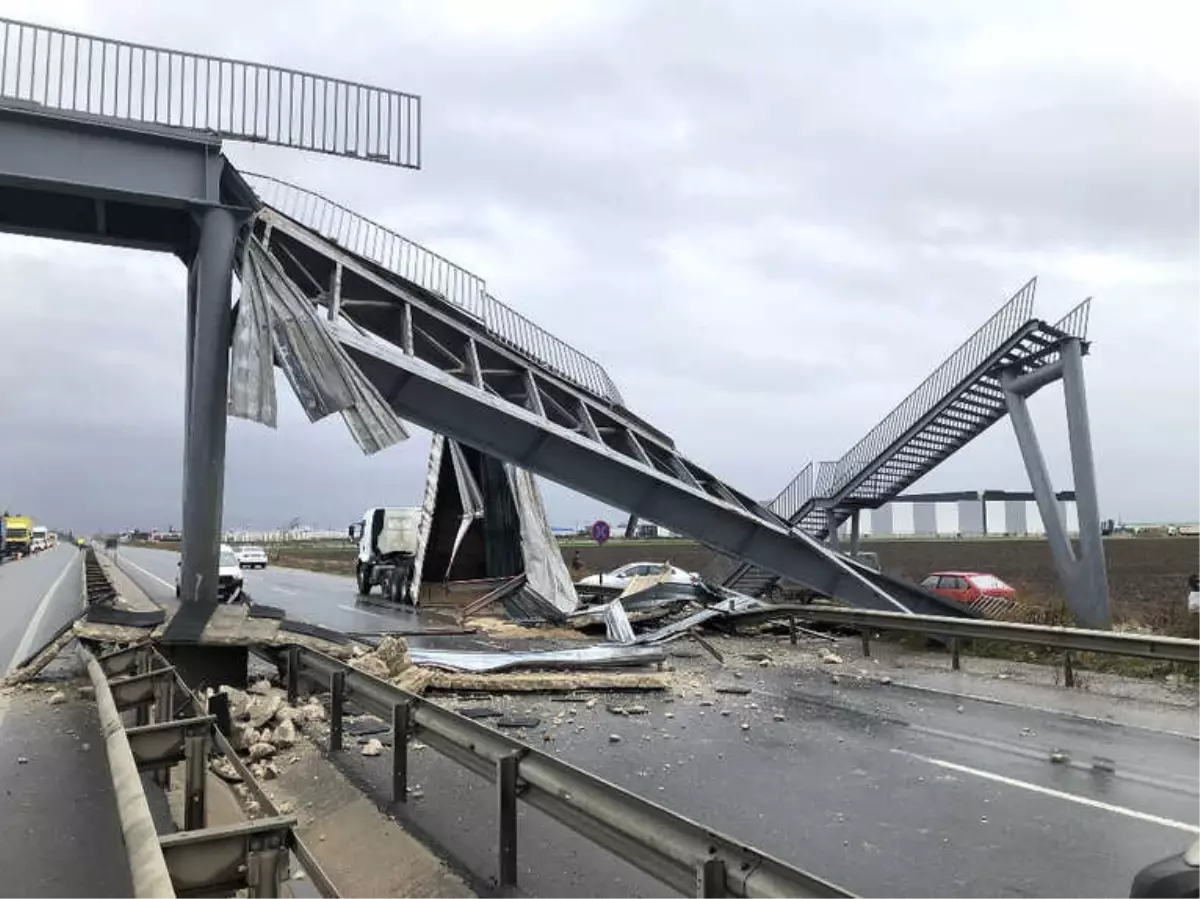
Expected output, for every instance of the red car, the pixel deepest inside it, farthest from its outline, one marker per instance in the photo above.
(968, 586)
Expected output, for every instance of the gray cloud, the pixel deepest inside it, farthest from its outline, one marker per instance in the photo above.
(769, 221)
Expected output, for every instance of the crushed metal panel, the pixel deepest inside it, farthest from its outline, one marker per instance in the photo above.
(469, 495)
(544, 565)
(733, 604)
(602, 656)
(278, 324)
(616, 623)
(252, 354)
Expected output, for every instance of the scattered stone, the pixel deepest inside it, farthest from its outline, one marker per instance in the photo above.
(1059, 757)
(261, 751)
(779, 716)
(87, 692)
(547, 737)
(21, 760)
(834, 679)
(285, 734)
(732, 689)
(885, 680)
(706, 702)
(831, 658)
(669, 715)
(260, 687)
(753, 706)
(591, 703)
(269, 771)
(224, 769)
(1028, 732)
(765, 663)
(745, 726)
(86, 746)
(58, 697)
(1001, 677)
(314, 711)
(612, 738)
(299, 875)
(263, 708)
(959, 709)
(372, 748)
(724, 713)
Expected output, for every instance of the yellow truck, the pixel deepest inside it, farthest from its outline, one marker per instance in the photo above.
(18, 534)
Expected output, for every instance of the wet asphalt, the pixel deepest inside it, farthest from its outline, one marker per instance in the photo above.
(881, 789)
(326, 599)
(38, 594)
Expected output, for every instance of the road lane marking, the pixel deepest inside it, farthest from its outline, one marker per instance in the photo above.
(167, 584)
(284, 590)
(35, 622)
(1056, 794)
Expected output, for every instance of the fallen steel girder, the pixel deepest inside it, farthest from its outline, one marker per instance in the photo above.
(441, 402)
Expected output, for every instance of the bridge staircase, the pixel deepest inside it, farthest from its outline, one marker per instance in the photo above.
(960, 400)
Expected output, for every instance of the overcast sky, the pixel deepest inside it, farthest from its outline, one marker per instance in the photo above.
(769, 221)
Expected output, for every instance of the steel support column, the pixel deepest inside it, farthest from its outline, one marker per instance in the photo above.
(1084, 578)
(204, 451)
(855, 534)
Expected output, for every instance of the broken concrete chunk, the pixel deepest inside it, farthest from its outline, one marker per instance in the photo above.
(269, 771)
(372, 748)
(779, 716)
(285, 734)
(1059, 757)
(263, 708)
(745, 726)
(612, 738)
(831, 658)
(261, 687)
(239, 701)
(58, 697)
(313, 711)
(224, 769)
(261, 750)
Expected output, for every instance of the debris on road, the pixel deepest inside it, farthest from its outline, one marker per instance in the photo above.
(548, 682)
(830, 657)
(1058, 757)
(372, 747)
(614, 738)
(58, 697)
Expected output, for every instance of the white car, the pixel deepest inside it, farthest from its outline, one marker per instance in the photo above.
(229, 574)
(620, 577)
(251, 556)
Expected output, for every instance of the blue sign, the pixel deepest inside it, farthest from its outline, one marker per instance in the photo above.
(601, 531)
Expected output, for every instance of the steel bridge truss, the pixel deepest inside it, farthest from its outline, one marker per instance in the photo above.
(443, 368)
(960, 400)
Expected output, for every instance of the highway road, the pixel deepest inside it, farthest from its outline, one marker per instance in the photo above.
(326, 599)
(882, 789)
(38, 595)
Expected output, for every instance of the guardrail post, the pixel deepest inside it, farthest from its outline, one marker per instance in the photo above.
(400, 728)
(866, 643)
(955, 647)
(506, 790)
(710, 878)
(1068, 670)
(337, 702)
(195, 777)
(293, 674)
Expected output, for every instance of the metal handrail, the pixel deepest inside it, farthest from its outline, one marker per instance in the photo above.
(436, 274)
(236, 99)
(669, 847)
(1145, 646)
(944, 379)
(792, 498)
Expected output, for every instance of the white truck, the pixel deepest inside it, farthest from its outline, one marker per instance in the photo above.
(39, 538)
(387, 551)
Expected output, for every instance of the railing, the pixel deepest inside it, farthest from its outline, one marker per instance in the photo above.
(791, 499)
(682, 854)
(83, 73)
(825, 476)
(945, 378)
(1145, 646)
(437, 275)
(1075, 322)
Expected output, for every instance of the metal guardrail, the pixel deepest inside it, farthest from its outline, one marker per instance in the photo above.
(172, 728)
(436, 274)
(945, 378)
(1145, 646)
(678, 852)
(83, 73)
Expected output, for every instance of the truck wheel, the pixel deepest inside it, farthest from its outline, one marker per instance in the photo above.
(395, 586)
(363, 575)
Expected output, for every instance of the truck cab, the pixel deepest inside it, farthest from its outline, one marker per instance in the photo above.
(18, 535)
(387, 541)
(40, 538)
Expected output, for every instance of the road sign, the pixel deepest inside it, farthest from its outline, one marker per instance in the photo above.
(601, 531)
